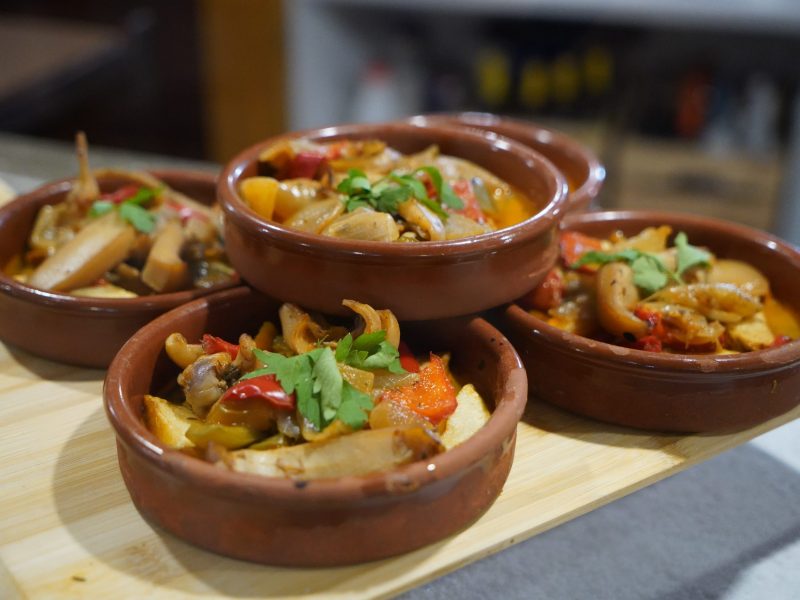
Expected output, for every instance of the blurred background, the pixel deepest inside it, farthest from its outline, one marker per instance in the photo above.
(692, 105)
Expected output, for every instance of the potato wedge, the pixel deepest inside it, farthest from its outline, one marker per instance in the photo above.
(359, 453)
(470, 415)
(169, 422)
(97, 248)
(164, 270)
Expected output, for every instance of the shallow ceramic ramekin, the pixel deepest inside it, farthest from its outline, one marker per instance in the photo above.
(322, 522)
(425, 280)
(668, 392)
(579, 165)
(86, 332)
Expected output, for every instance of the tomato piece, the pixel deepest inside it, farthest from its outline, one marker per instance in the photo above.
(407, 359)
(548, 294)
(654, 320)
(431, 396)
(212, 344)
(472, 208)
(649, 343)
(307, 165)
(780, 340)
(574, 245)
(119, 196)
(263, 387)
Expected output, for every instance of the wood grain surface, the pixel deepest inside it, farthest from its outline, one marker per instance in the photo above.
(69, 530)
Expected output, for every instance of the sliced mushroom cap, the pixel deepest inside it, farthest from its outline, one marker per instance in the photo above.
(300, 332)
(423, 219)
(364, 224)
(617, 295)
(314, 217)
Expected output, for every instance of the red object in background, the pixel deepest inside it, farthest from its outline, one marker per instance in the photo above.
(692, 104)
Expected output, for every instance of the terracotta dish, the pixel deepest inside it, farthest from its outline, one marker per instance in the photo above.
(668, 392)
(579, 165)
(415, 280)
(321, 522)
(81, 331)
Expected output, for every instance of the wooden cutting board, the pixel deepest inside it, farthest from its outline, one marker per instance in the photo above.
(69, 530)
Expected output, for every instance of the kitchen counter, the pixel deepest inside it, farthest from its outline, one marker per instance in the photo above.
(728, 528)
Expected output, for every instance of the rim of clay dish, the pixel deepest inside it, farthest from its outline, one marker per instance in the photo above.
(130, 428)
(758, 360)
(237, 210)
(9, 285)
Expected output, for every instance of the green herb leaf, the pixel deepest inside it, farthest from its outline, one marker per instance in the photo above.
(689, 256)
(649, 273)
(369, 351)
(354, 408)
(144, 195)
(101, 207)
(314, 377)
(445, 193)
(327, 384)
(142, 219)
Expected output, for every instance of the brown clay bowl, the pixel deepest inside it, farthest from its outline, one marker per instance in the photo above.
(668, 392)
(322, 522)
(579, 165)
(86, 332)
(417, 281)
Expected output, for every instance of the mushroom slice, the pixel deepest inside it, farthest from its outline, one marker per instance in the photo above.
(616, 298)
(181, 351)
(363, 224)
(165, 270)
(423, 219)
(316, 216)
(370, 316)
(85, 189)
(202, 381)
(300, 331)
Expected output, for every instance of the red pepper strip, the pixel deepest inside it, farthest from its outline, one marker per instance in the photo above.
(472, 208)
(780, 340)
(186, 212)
(548, 294)
(574, 245)
(432, 395)
(119, 196)
(650, 343)
(212, 344)
(654, 320)
(305, 165)
(263, 387)
(407, 360)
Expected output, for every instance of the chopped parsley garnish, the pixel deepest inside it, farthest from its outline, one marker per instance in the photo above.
(369, 351)
(322, 393)
(650, 274)
(131, 209)
(386, 194)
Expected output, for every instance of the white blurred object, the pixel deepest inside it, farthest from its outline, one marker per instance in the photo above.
(379, 95)
(759, 118)
(6, 192)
